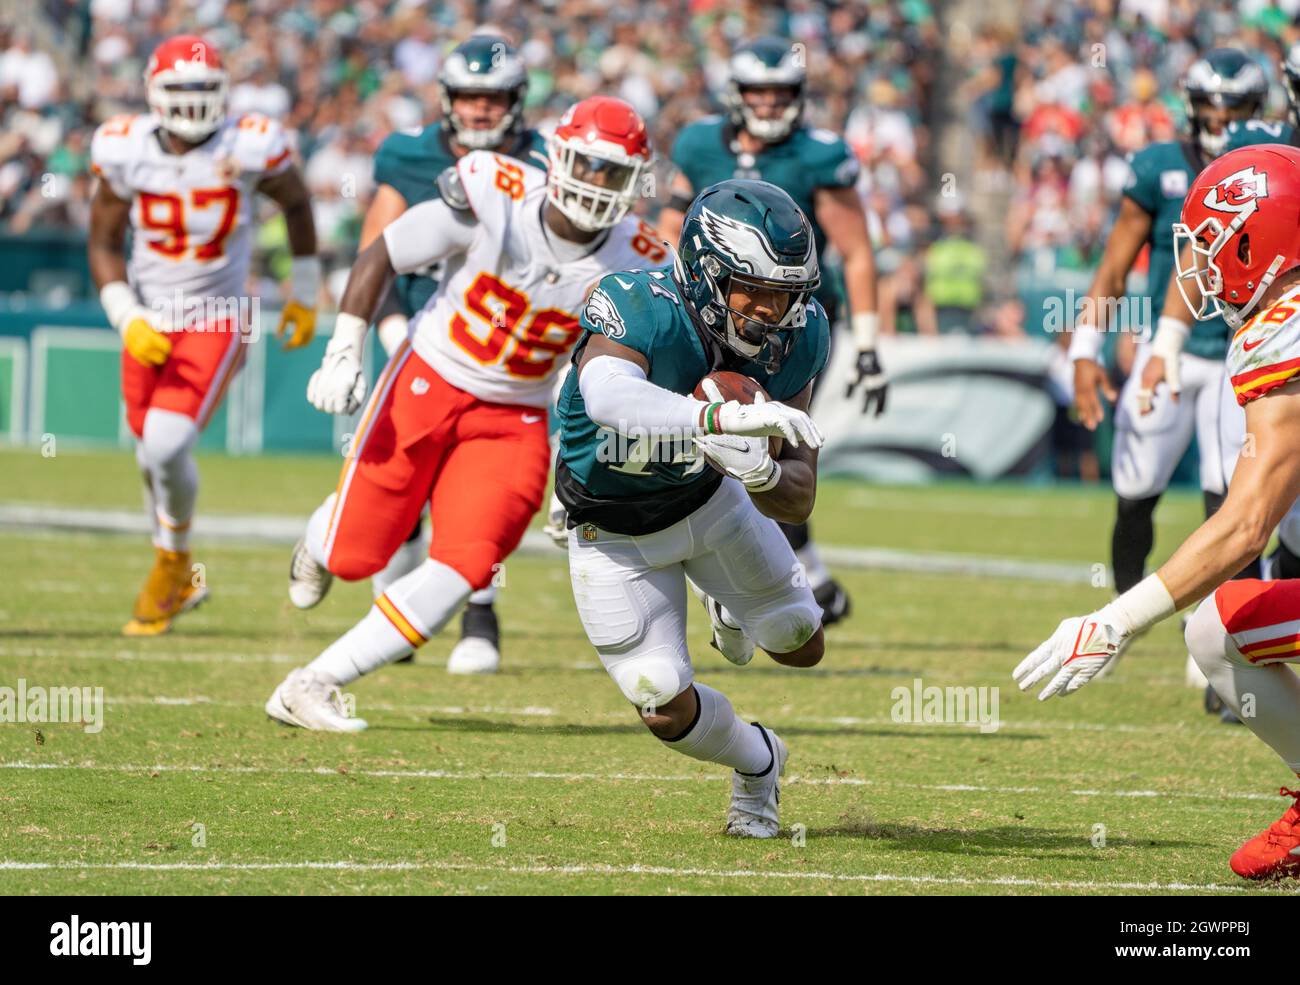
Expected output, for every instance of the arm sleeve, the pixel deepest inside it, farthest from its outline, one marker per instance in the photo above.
(426, 233)
(618, 395)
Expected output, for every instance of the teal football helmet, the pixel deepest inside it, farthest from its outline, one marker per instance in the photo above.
(1222, 78)
(766, 63)
(747, 235)
(484, 63)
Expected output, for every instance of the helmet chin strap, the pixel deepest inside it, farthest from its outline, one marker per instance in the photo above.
(1235, 317)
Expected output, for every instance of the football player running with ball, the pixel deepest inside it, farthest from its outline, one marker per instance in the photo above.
(458, 416)
(661, 486)
(1240, 232)
(183, 180)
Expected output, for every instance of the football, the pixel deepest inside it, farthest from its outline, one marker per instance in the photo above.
(738, 386)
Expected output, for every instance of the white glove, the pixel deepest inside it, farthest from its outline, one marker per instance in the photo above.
(339, 386)
(764, 418)
(1075, 653)
(557, 523)
(746, 459)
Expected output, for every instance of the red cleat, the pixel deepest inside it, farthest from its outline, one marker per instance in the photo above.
(1275, 853)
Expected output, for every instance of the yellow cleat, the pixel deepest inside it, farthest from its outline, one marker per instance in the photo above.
(168, 591)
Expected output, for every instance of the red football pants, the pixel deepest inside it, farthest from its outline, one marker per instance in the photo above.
(192, 381)
(481, 467)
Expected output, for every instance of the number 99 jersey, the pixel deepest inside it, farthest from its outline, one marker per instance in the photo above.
(191, 213)
(504, 315)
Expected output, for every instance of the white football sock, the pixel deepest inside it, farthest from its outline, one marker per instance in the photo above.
(168, 452)
(718, 736)
(1271, 692)
(415, 607)
(150, 501)
(317, 527)
(816, 572)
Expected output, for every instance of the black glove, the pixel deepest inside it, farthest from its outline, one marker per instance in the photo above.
(873, 381)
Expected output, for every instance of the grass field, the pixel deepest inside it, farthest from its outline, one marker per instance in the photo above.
(540, 780)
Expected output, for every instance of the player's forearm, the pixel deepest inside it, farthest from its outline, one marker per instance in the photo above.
(368, 282)
(107, 264)
(301, 227)
(791, 499)
(1220, 548)
(860, 280)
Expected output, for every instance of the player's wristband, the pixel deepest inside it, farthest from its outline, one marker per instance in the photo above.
(1171, 335)
(1142, 606)
(1086, 343)
(866, 326)
(304, 280)
(119, 302)
(770, 482)
(711, 423)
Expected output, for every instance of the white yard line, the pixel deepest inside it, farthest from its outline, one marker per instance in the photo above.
(829, 781)
(279, 529)
(621, 870)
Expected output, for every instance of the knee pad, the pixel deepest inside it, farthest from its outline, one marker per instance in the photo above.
(167, 438)
(787, 627)
(652, 678)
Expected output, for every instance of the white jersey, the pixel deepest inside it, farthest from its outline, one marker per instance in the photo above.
(191, 213)
(1264, 353)
(504, 317)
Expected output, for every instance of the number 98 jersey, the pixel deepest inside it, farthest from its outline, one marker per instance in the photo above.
(504, 316)
(191, 213)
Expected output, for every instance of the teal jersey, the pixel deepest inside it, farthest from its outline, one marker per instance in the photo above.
(1244, 133)
(809, 159)
(410, 161)
(1158, 183)
(632, 484)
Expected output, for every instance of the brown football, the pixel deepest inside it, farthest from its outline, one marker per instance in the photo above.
(737, 386)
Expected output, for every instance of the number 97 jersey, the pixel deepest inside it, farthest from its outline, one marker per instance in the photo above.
(504, 317)
(192, 213)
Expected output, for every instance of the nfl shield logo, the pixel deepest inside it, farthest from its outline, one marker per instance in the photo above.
(588, 531)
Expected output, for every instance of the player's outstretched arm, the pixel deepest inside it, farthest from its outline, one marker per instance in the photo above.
(106, 253)
(839, 210)
(1264, 486)
(298, 319)
(1130, 232)
(673, 213)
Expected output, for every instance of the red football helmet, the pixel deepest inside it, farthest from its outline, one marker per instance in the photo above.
(186, 86)
(597, 155)
(1241, 219)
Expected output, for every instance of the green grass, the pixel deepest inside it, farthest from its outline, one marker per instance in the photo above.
(548, 755)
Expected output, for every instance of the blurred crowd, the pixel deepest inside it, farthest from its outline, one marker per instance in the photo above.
(342, 74)
(1059, 100)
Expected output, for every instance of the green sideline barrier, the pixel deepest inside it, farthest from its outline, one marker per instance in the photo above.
(60, 377)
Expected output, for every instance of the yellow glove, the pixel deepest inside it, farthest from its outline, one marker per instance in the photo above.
(147, 345)
(303, 320)
(300, 309)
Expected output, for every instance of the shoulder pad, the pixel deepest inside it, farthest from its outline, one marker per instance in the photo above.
(452, 189)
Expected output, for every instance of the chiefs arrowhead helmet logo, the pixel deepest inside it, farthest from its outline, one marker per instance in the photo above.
(1238, 192)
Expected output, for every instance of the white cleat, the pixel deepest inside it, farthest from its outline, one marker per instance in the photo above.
(308, 581)
(756, 800)
(308, 700)
(728, 638)
(474, 655)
